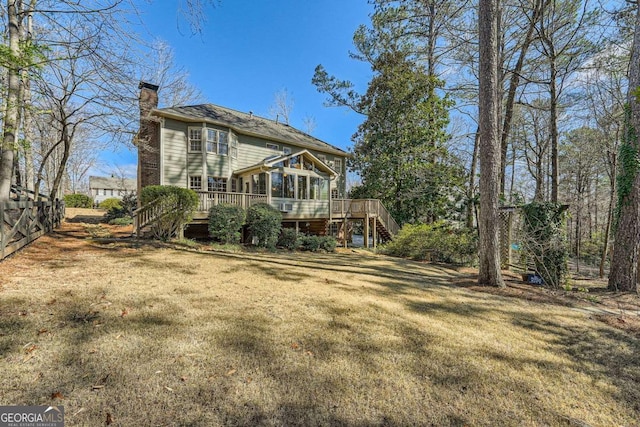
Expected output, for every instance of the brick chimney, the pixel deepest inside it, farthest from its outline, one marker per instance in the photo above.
(148, 138)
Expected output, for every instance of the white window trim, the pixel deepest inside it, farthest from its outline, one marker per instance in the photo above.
(202, 141)
(272, 146)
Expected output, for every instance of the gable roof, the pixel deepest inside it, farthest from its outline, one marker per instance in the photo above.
(270, 161)
(248, 124)
(126, 184)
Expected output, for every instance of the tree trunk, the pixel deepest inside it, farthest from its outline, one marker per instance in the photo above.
(624, 265)
(489, 248)
(13, 92)
(553, 107)
(471, 192)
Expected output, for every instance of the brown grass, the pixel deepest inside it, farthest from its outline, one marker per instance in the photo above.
(151, 335)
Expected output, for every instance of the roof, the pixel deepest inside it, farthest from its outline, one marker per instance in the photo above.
(249, 124)
(271, 161)
(113, 183)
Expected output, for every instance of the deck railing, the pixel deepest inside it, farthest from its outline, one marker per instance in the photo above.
(360, 208)
(213, 198)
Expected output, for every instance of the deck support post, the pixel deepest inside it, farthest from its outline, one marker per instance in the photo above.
(345, 231)
(366, 231)
(375, 231)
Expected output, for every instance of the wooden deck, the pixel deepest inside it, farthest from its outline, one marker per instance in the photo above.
(372, 212)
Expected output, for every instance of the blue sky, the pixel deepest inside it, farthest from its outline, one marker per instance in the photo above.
(251, 49)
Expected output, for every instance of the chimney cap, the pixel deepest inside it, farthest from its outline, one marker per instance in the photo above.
(150, 86)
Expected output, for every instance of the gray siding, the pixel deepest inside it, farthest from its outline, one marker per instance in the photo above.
(174, 146)
(303, 209)
(178, 164)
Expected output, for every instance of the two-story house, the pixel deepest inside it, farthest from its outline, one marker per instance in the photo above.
(228, 156)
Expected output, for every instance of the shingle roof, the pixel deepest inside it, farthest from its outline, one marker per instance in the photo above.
(249, 124)
(112, 183)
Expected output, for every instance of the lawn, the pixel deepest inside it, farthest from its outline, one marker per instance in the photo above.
(133, 333)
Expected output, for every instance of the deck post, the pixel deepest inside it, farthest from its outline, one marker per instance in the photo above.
(366, 231)
(374, 234)
(344, 231)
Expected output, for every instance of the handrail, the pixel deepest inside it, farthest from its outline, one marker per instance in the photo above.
(372, 207)
(213, 198)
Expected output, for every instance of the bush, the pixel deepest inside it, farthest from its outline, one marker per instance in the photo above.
(78, 201)
(317, 243)
(288, 239)
(122, 221)
(225, 223)
(545, 240)
(439, 242)
(178, 203)
(109, 203)
(264, 223)
(115, 213)
(129, 203)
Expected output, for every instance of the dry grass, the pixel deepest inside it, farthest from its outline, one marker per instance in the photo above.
(158, 336)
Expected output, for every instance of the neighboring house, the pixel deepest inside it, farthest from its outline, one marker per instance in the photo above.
(228, 156)
(103, 188)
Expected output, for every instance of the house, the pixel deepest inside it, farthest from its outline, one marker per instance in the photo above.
(228, 156)
(102, 188)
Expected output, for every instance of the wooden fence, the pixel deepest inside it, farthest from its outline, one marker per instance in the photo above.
(23, 221)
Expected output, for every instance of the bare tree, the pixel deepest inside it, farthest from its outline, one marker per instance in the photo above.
(282, 106)
(489, 143)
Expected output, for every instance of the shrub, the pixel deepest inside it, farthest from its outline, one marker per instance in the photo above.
(328, 243)
(309, 243)
(115, 213)
(178, 203)
(440, 242)
(264, 223)
(122, 221)
(109, 203)
(317, 243)
(225, 223)
(545, 240)
(78, 201)
(288, 239)
(129, 203)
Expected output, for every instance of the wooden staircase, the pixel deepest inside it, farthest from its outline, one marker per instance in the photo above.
(386, 226)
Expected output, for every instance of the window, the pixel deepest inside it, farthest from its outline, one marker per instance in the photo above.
(337, 165)
(324, 189)
(234, 185)
(195, 183)
(195, 139)
(223, 143)
(294, 162)
(286, 150)
(217, 142)
(319, 188)
(216, 184)
(276, 184)
(273, 146)
(234, 146)
(259, 183)
(308, 165)
(212, 141)
(302, 188)
(289, 190)
(334, 193)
